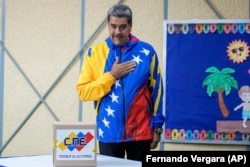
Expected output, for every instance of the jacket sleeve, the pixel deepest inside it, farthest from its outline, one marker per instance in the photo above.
(93, 83)
(156, 87)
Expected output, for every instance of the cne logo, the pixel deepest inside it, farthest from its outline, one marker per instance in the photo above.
(75, 141)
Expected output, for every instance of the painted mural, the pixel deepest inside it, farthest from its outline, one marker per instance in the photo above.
(207, 82)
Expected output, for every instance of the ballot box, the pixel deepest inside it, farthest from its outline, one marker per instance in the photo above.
(74, 145)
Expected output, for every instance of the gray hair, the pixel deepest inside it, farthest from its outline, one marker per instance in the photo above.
(120, 10)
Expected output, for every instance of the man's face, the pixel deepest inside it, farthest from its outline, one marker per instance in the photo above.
(119, 29)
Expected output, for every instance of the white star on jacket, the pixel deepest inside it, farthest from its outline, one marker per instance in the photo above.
(137, 59)
(117, 84)
(110, 111)
(114, 97)
(106, 123)
(100, 132)
(145, 51)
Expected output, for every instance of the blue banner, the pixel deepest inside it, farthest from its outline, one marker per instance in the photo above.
(207, 86)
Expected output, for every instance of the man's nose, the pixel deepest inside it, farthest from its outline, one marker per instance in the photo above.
(117, 30)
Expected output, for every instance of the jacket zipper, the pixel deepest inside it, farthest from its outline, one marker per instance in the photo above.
(123, 98)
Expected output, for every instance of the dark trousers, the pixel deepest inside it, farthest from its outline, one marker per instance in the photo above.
(134, 150)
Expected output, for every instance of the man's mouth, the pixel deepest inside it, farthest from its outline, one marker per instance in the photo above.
(118, 36)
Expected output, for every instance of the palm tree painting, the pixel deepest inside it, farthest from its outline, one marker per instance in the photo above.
(220, 82)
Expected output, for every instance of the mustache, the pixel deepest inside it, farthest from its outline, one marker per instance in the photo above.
(118, 36)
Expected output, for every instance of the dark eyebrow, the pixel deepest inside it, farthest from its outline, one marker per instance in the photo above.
(119, 25)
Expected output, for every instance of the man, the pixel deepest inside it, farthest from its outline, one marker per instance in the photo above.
(123, 78)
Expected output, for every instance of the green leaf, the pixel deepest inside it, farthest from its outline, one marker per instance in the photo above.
(212, 70)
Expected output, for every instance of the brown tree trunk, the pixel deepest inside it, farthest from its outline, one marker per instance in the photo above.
(222, 105)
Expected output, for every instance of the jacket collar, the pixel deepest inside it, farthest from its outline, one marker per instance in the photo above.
(132, 41)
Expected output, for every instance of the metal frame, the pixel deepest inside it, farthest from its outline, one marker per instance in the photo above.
(2, 71)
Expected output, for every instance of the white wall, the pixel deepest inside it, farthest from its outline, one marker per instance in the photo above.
(42, 36)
